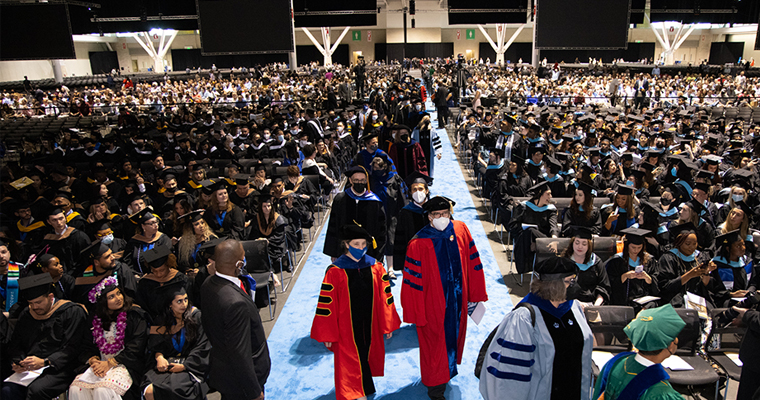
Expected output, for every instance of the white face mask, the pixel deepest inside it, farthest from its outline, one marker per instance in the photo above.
(374, 117)
(737, 197)
(303, 143)
(419, 197)
(441, 223)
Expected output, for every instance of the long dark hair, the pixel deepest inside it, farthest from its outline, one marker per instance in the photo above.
(588, 205)
(167, 320)
(101, 306)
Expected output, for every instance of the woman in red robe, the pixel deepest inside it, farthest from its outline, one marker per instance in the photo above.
(354, 310)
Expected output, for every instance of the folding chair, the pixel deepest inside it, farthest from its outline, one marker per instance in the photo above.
(607, 323)
(689, 341)
(259, 266)
(727, 340)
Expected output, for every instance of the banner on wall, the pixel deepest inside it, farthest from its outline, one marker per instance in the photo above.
(369, 36)
(459, 34)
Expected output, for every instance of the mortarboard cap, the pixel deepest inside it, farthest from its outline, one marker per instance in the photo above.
(678, 230)
(418, 177)
(157, 256)
(555, 268)
(34, 286)
(655, 329)
(635, 235)
(729, 238)
(582, 232)
(438, 203)
(539, 188)
(353, 231)
(624, 189)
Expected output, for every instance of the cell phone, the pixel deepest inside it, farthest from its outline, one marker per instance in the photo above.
(639, 269)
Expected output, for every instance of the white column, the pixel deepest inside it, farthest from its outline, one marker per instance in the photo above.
(292, 55)
(57, 71)
(327, 49)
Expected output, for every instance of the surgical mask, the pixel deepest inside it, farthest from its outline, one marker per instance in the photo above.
(441, 223)
(674, 171)
(374, 117)
(303, 143)
(359, 187)
(340, 129)
(628, 183)
(232, 144)
(419, 197)
(665, 202)
(372, 148)
(267, 136)
(280, 138)
(418, 107)
(107, 239)
(141, 187)
(357, 253)
(737, 197)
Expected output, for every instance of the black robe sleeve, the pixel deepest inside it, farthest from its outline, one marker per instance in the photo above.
(594, 282)
(332, 237)
(135, 339)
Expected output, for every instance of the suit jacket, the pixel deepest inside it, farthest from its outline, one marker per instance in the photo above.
(239, 354)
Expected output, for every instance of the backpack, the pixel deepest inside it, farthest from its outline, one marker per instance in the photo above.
(489, 339)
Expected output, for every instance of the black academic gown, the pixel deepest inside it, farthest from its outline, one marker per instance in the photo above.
(410, 220)
(623, 293)
(625, 220)
(193, 354)
(545, 219)
(138, 245)
(367, 210)
(67, 247)
(737, 276)
(132, 356)
(593, 281)
(56, 339)
(150, 296)
(572, 218)
(669, 271)
(232, 223)
(239, 356)
(86, 280)
(277, 241)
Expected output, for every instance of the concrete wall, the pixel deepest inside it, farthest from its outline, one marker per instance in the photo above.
(43, 69)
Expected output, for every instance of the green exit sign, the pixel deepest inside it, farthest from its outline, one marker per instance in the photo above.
(188, 47)
(470, 34)
(356, 35)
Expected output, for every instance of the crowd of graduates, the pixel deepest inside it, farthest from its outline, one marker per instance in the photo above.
(124, 220)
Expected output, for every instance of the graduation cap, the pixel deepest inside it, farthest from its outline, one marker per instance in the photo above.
(63, 194)
(235, 164)
(34, 286)
(356, 169)
(438, 203)
(94, 251)
(142, 216)
(217, 185)
(367, 138)
(536, 148)
(553, 162)
(635, 235)
(685, 228)
(508, 119)
(652, 208)
(353, 231)
(167, 175)
(652, 153)
(638, 174)
(157, 256)
(594, 151)
(587, 189)
(704, 174)
(729, 238)
(626, 157)
(555, 268)
(705, 187)
(209, 246)
(745, 208)
(539, 188)
(60, 170)
(192, 215)
(418, 177)
(624, 189)
(655, 329)
(242, 179)
(695, 205)
(561, 156)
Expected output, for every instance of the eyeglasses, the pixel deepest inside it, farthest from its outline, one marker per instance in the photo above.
(440, 214)
(151, 223)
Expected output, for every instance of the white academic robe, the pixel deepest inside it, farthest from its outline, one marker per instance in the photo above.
(516, 328)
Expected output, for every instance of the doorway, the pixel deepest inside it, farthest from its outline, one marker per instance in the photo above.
(355, 57)
(135, 67)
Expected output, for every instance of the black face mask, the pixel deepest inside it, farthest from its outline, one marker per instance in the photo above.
(405, 137)
(665, 202)
(359, 187)
(660, 145)
(171, 190)
(573, 291)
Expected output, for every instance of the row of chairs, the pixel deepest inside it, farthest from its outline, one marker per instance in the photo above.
(607, 324)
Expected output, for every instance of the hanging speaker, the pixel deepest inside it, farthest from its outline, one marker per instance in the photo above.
(412, 7)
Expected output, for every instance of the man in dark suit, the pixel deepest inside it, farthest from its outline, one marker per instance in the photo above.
(239, 355)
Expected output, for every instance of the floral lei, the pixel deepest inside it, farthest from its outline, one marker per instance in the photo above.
(95, 292)
(104, 345)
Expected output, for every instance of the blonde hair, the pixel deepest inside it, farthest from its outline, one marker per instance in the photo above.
(185, 247)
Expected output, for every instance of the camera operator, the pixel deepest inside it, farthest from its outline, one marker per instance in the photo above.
(749, 353)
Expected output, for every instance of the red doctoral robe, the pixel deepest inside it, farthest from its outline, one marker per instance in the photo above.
(338, 320)
(439, 262)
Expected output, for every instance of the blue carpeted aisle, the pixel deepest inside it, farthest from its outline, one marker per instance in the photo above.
(303, 368)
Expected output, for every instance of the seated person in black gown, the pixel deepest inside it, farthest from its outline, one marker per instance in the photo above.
(594, 286)
(582, 211)
(178, 351)
(630, 273)
(733, 269)
(163, 273)
(532, 219)
(269, 224)
(621, 214)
